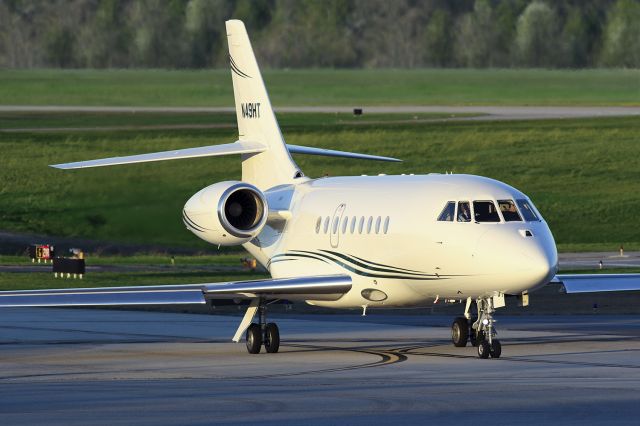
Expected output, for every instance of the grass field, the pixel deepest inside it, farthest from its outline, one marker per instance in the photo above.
(584, 175)
(187, 269)
(323, 87)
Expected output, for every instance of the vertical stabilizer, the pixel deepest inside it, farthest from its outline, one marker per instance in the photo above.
(256, 120)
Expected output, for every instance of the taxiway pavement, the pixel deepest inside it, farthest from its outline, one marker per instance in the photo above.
(488, 112)
(83, 366)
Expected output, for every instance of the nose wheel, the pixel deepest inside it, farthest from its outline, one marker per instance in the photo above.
(263, 334)
(480, 331)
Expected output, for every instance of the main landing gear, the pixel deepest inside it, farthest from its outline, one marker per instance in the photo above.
(479, 331)
(261, 333)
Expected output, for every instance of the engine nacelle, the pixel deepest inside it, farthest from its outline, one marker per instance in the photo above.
(226, 213)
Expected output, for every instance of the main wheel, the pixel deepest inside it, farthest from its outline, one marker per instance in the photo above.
(272, 341)
(496, 349)
(460, 332)
(254, 339)
(483, 349)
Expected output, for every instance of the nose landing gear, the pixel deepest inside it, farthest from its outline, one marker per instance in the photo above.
(479, 331)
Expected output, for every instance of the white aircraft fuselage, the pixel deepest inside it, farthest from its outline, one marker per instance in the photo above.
(384, 232)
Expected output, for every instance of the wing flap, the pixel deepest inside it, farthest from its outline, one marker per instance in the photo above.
(331, 287)
(593, 283)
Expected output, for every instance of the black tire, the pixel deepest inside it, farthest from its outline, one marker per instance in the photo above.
(460, 332)
(475, 337)
(254, 339)
(272, 341)
(483, 349)
(496, 349)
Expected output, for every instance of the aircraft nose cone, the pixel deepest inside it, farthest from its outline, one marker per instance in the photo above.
(522, 261)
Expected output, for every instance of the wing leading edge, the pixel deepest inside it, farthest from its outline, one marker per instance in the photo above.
(329, 287)
(592, 283)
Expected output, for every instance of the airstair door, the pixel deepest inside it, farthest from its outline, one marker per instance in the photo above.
(335, 225)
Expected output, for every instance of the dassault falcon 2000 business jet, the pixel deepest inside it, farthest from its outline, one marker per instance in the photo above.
(331, 241)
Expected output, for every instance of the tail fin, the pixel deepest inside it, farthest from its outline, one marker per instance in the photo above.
(256, 120)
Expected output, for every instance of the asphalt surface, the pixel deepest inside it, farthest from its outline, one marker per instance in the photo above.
(489, 112)
(73, 366)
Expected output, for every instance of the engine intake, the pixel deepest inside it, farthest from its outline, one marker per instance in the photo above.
(242, 210)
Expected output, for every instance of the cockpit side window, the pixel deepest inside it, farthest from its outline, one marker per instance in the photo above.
(448, 212)
(509, 211)
(464, 212)
(527, 211)
(485, 211)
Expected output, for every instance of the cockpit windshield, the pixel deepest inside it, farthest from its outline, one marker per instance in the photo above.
(509, 211)
(485, 211)
(448, 212)
(527, 211)
(464, 212)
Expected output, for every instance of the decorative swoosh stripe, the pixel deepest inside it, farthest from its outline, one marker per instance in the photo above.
(380, 264)
(190, 223)
(390, 273)
(237, 70)
(380, 267)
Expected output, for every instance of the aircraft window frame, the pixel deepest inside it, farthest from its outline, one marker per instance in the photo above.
(361, 225)
(386, 225)
(515, 210)
(369, 223)
(468, 203)
(524, 202)
(327, 220)
(335, 225)
(495, 212)
(345, 223)
(378, 221)
(353, 224)
(442, 217)
(318, 224)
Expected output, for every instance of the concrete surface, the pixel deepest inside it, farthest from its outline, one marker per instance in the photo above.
(80, 366)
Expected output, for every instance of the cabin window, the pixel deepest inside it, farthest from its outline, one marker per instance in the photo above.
(509, 211)
(448, 212)
(485, 211)
(361, 225)
(345, 222)
(527, 211)
(378, 225)
(336, 223)
(326, 224)
(464, 212)
(369, 222)
(318, 224)
(353, 224)
(386, 224)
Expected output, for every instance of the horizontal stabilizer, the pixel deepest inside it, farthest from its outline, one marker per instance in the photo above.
(593, 283)
(298, 288)
(295, 149)
(239, 147)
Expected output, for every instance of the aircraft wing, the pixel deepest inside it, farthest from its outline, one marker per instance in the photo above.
(329, 287)
(592, 283)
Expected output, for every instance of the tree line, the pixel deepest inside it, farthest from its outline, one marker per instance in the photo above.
(322, 33)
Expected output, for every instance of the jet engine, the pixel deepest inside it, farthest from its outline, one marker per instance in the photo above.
(226, 213)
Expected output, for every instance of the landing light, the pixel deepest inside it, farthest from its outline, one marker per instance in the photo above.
(485, 321)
